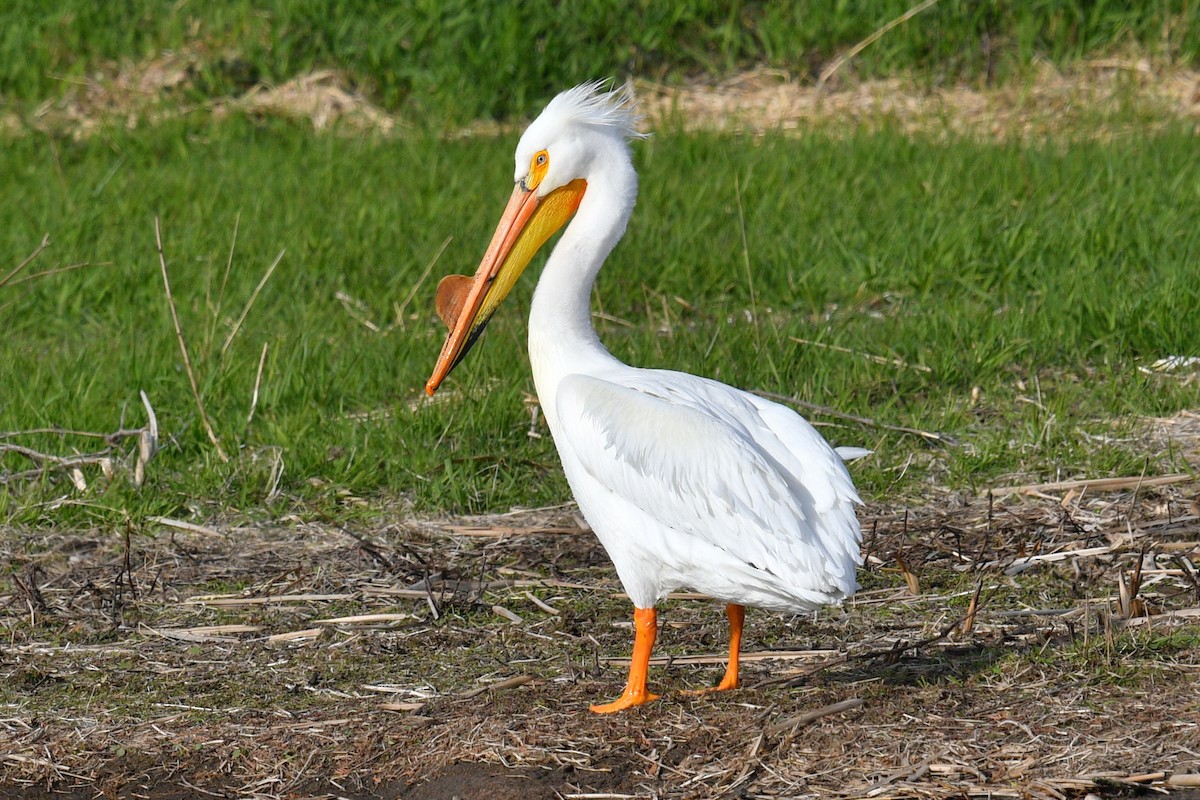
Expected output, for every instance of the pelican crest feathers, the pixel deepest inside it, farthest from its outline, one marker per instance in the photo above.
(598, 104)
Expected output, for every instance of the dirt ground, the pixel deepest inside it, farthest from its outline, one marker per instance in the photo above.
(456, 658)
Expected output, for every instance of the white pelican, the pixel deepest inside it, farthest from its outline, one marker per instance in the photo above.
(687, 482)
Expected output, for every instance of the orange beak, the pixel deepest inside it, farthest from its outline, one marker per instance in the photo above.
(466, 304)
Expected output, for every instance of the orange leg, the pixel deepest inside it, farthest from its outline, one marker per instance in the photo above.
(737, 617)
(645, 626)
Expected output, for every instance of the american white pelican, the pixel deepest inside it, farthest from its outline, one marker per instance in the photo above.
(687, 482)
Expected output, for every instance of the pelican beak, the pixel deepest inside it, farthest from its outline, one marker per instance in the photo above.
(466, 304)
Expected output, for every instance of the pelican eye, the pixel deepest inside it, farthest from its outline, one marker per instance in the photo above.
(538, 166)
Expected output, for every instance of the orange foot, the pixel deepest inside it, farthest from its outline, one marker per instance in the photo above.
(645, 629)
(628, 699)
(725, 685)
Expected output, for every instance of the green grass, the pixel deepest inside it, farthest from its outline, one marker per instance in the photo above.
(458, 60)
(1042, 274)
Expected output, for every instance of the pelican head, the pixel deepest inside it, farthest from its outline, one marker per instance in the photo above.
(574, 136)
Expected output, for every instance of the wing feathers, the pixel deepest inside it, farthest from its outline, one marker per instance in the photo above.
(708, 465)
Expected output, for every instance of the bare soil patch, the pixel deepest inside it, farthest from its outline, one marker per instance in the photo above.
(1098, 98)
(1093, 99)
(440, 658)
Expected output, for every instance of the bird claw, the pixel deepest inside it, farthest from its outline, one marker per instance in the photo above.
(723, 686)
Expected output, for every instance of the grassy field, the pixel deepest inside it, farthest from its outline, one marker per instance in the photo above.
(1019, 288)
(346, 594)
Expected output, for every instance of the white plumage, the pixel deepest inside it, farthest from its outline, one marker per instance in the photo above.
(687, 482)
(728, 495)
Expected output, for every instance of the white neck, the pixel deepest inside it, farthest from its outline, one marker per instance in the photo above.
(561, 337)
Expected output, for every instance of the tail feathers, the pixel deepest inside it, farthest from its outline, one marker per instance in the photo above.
(852, 453)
